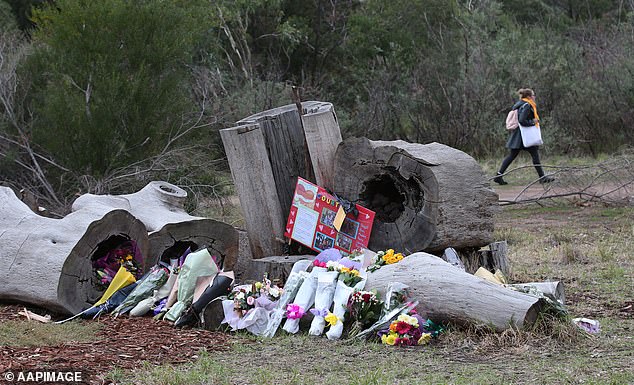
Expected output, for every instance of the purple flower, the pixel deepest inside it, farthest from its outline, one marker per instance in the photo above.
(329, 255)
(350, 264)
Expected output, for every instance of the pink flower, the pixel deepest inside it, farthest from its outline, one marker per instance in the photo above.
(250, 301)
(294, 311)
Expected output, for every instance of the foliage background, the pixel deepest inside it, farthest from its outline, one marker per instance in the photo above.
(101, 97)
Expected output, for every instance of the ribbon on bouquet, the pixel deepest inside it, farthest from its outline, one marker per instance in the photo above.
(294, 311)
(319, 312)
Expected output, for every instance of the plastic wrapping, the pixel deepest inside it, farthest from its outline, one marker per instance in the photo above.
(326, 284)
(304, 299)
(340, 300)
(293, 283)
(197, 264)
(145, 288)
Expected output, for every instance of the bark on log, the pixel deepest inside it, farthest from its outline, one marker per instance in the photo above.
(160, 206)
(427, 197)
(448, 294)
(48, 262)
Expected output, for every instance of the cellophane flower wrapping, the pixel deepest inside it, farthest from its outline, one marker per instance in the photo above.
(396, 302)
(304, 299)
(326, 283)
(155, 278)
(197, 264)
(293, 283)
(340, 301)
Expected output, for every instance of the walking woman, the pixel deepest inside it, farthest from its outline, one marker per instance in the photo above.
(527, 116)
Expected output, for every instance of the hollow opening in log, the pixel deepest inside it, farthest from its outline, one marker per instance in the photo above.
(177, 250)
(388, 196)
(109, 255)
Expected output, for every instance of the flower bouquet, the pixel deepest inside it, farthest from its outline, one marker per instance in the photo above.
(409, 330)
(342, 293)
(364, 308)
(303, 301)
(127, 255)
(145, 288)
(293, 283)
(383, 258)
(326, 283)
(248, 306)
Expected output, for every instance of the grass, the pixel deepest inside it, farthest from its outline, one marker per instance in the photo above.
(21, 333)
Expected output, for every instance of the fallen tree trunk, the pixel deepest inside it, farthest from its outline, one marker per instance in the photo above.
(48, 262)
(426, 197)
(160, 206)
(448, 294)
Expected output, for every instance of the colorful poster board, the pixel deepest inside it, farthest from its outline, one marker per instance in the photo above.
(310, 221)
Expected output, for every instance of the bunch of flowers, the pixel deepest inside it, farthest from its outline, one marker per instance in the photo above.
(348, 270)
(410, 330)
(382, 258)
(106, 267)
(328, 255)
(364, 308)
(245, 296)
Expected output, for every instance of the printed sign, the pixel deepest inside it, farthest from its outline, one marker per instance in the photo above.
(312, 221)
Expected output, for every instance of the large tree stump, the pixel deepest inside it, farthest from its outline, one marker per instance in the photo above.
(426, 197)
(48, 262)
(267, 152)
(448, 294)
(160, 206)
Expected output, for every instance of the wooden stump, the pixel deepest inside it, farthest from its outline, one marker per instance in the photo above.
(267, 152)
(448, 294)
(426, 197)
(48, 262)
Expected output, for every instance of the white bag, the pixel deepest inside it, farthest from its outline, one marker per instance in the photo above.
(531, 136)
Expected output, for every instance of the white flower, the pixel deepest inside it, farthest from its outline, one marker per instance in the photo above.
(240, 295)
(408, 319)
(274, 292)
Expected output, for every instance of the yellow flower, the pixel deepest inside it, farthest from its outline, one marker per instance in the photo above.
(345, 269)
(331, 318)
(390, 339)
(424, 339)
(355, 273)
(408, 319)
(398, 257)
(384, 338)
(258, 285)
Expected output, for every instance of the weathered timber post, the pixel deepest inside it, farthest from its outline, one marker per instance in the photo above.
(266, 153)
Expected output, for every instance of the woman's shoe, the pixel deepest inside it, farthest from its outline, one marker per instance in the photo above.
(499, 180)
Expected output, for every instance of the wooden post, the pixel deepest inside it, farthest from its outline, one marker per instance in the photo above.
(322, 136)
(283, 145)
(253, 178)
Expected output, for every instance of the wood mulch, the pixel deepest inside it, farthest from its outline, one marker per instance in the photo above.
(120, 343)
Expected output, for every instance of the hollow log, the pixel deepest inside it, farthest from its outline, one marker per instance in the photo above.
(160, 206)
(448, 294)
(48, 262)
(426, 196)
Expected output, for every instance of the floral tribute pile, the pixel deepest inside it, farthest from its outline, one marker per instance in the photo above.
(330, 289)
